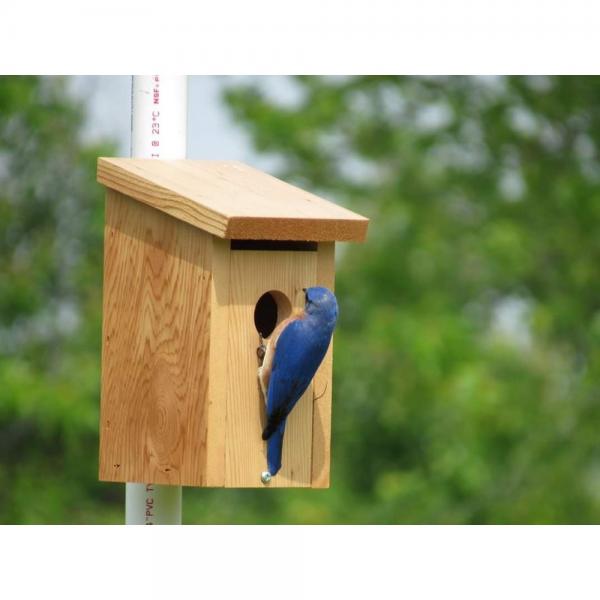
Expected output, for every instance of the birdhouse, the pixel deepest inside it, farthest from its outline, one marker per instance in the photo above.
(200, 259)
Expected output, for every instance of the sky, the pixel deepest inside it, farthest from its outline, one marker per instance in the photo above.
(212, 134)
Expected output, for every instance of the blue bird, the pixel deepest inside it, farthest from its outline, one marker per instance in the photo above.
(294, 352)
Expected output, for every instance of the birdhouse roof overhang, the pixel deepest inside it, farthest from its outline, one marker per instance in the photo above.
(231, 200)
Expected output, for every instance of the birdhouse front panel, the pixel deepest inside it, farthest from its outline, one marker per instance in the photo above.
(254, 273)
(236, 402)
(202, 260)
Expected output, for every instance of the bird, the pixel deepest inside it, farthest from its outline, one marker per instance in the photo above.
(292, 356)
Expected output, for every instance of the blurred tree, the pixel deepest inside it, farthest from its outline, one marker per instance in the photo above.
(51, 219)
(467, 357)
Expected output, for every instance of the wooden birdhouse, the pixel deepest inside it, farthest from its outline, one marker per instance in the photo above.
(199, 258)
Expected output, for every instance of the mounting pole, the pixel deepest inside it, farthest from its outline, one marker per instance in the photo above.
(158, 130)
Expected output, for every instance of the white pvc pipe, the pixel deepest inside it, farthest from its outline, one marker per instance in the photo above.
(159, 117)
(158, 130)
(149, 504)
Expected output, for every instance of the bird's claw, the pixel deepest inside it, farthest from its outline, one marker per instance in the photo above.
(262, 349)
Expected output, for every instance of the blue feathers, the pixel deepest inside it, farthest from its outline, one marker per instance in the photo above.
(275, 448)
(299, 350)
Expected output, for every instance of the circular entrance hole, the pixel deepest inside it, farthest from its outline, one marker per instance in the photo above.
(271, 308)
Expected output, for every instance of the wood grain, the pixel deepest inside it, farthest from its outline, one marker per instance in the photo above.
(157, 293)
(218, 362)
(231, 200)
(322, 397)
(252, 274)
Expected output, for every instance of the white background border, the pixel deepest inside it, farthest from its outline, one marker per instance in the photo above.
(279, 37)
(291, 37)
(288, 563)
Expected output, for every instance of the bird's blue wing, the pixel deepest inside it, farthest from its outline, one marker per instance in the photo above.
(298, 354)
(293, 368)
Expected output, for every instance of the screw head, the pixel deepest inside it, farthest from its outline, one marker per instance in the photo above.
(265, 477)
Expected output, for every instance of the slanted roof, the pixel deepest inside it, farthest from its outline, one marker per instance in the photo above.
(231, 200)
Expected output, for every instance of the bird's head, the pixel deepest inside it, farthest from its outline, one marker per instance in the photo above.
(321, 302)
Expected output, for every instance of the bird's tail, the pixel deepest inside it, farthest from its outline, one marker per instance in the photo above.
(269, 429)
(273, 423)
(275, 447)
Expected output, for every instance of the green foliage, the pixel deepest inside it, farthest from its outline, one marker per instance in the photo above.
(467, 357)
(51, 227)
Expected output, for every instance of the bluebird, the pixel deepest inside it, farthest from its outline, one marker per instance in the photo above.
(293, 354)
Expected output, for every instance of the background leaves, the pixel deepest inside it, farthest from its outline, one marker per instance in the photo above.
(467, 356)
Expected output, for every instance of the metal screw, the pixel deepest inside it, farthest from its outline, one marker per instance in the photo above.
(265, 477)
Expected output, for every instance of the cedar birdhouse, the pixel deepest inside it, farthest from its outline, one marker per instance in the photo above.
(199, 258)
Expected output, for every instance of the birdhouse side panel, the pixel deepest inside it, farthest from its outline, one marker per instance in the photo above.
(155, 346)
(252, 274)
